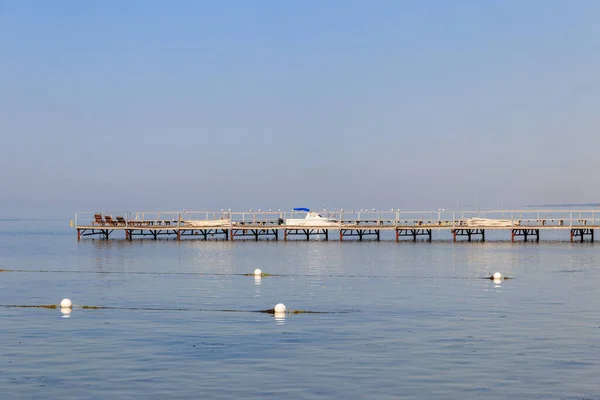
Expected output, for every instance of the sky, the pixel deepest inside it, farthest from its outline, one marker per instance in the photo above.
(204, 105)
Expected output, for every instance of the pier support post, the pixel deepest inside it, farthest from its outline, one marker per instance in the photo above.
(582, 232)
(412, 233)
(285, 233)
(526, 233)
(469, 233)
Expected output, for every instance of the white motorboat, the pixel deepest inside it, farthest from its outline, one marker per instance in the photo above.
(312, 218)
(214, 223)
(490, 222)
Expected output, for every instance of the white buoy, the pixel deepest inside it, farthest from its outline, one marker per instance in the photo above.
(279, 308)
(497, 276)
(66, 303)
(257, 272)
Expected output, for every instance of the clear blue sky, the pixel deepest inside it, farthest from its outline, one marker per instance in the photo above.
(112, 105)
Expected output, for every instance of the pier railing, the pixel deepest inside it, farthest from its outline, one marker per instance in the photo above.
(392, 218)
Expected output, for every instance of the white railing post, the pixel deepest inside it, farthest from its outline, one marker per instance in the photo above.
(571, 219)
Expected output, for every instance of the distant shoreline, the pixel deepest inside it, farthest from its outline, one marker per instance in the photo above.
(563, 205)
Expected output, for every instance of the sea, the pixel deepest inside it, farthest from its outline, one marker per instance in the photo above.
(158, 319)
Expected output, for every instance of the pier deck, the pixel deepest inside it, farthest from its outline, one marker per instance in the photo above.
(580, 224)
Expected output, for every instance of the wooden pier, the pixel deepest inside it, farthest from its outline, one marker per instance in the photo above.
(358, 225)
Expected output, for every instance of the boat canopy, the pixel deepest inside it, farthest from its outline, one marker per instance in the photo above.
(301, 209)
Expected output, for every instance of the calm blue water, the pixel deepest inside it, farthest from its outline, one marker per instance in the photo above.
(407, 320)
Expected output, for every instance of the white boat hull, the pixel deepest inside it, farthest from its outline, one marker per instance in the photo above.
(208, 223)
(311, 219)
(304, 222)
(490, 222)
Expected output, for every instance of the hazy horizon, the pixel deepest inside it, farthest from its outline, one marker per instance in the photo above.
(339, 104)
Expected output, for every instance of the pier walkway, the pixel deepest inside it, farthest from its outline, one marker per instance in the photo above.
(579, 225)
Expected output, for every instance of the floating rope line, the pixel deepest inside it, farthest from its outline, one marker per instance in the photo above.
(84, 307)
(231, 274)
(185, 273)
(134, 272)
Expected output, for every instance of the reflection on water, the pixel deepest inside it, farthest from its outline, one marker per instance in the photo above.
(66, 312)
(424, 324)
(257, 283)
(279, 318)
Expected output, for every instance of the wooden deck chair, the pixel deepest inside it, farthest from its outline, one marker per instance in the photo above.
(121, 221)
(98, 219)
(109, 220)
